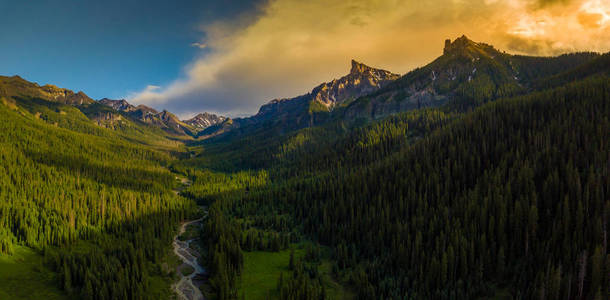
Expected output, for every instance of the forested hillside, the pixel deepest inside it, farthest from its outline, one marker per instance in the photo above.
(507, 199)
(98, 206)
(441, 184)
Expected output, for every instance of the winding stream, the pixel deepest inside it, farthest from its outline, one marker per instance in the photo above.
(185, 288)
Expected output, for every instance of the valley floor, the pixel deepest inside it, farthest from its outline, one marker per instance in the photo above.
(262, 270)
(190, 270)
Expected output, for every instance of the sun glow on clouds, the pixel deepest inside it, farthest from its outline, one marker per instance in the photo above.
(293, 45)
(553, 27)
(594, 14)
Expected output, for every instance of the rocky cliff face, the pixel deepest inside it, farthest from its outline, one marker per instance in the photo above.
(204, 120)
(65, 96)
(120, 105)
(107, 119)
(171, 121)
(360, 81)
(308, 109)
(124, 106)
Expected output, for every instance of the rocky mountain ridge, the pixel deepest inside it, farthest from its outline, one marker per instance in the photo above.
(164, 119)
(16, 86)
(360, 81)
(120, 105)
(204, 120)
(306, 110)
(467, 74)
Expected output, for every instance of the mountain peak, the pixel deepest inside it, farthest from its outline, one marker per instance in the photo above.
(359, 68)
(459, 43)
(205, 120)
(120, 105)
(361, 80)
(465, 46)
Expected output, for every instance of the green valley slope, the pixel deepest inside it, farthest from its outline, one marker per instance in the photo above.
(95, 205)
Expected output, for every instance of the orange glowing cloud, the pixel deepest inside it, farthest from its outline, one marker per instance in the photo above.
(590, 20)
(294, 45)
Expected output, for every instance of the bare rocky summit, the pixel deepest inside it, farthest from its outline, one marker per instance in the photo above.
(204, 120)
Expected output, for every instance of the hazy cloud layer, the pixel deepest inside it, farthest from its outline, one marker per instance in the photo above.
(294, 45)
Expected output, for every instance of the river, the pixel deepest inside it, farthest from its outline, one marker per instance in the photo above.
(186, 288)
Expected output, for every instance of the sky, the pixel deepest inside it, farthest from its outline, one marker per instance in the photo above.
(231, 56)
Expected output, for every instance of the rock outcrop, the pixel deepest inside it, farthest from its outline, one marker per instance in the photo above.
(204, 120)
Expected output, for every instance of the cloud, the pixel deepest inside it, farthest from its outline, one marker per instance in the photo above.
(555, 27)
(292, 45)
(199, 45)
(149, 92)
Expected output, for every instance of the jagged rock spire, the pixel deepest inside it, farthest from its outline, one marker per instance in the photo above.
(359, 68)
(459, 43)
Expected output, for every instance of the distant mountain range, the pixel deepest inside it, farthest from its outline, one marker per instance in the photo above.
(17, 87)
(467, 74)
(164, 120)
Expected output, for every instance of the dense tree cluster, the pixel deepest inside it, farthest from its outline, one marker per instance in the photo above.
(304, 281)
(225, 259)
(100, 207)
(436, 204)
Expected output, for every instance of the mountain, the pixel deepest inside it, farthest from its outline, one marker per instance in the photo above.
(204, 120)
(467, 74)
(17, 87)
(120, 105)
(312, 108)
(164, 119)
(59, 106)
(43, 101)
(170, 123)
(140, 112)
(360, 81)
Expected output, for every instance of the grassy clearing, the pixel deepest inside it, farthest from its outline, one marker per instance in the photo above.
(23, 276)
(262, 271)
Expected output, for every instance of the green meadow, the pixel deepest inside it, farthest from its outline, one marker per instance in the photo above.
(262, 271)
(23, 276)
